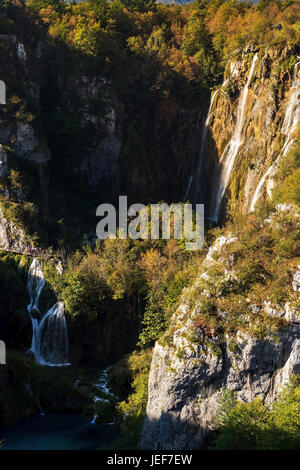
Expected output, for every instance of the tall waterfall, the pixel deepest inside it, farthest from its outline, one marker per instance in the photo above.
(227, 160)
(292, 114)
(289, 125)
(199, 197)
(49, 332)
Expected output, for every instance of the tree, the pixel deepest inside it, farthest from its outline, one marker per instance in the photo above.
(242, 426)
(249, 426)
(58, 5)
(99, 9)
(283, 432)
(139, 5)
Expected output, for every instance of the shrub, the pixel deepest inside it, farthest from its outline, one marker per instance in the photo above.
(253, 426)
(132, 411)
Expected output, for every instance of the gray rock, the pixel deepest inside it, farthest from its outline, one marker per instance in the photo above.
(183, 395)
(296, 281)
(3, 162)
(187, 377)
(11, 237)
(2, 92)
(21, 52)
(9, 38)
(102, 159)
(25, 144)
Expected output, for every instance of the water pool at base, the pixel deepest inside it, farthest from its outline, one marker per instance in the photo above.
(58, 431)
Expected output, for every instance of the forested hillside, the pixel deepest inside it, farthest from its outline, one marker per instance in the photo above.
(197, 102)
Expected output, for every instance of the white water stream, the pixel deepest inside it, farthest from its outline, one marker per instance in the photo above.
(289, 125)
(230, 153)
(49, 331)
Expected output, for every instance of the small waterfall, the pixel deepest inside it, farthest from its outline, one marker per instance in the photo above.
(102, 387)
(188, 188)
(35, 284)
(53, 337)
(258, 190)
(95, 415)
(229, 155)
(29, 389)
(49, 332)
(292, 116)
(289, 125)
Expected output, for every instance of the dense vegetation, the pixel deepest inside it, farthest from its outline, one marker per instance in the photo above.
(153, 272)
(154, 55)
(256, 426)
(157, 60)
(159, 272)
(187, 39)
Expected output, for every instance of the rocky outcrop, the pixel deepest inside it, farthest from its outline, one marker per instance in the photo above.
(184, 393)
(193, 364)
(29, 147)
(101, 160)
(12, 238)
(296, 281)
(26, 145)
(72, 125)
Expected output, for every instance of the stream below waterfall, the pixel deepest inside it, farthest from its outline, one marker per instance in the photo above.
(61, 430)
(58, 431)
(66, 430)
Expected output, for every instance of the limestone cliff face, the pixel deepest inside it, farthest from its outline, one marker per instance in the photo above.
(19, 126)
(74, 138)
(103, 151)
(268, 123)
(190, 371)
(22, 127)
(183, 393)
(12, 238)
(47, 116)
(252, 122)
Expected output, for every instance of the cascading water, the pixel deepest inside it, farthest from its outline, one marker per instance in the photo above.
(29, 389)
(292, 114)
(258, 190)
(53, 336)
(49, 332)
(102, 387)
(289, 125)
(229, 155)
(188, 188)
(198, 187)
(199, 196)
(35, 284)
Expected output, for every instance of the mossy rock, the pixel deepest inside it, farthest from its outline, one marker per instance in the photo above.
(106, 411)
(27, 387)
(16, 401)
